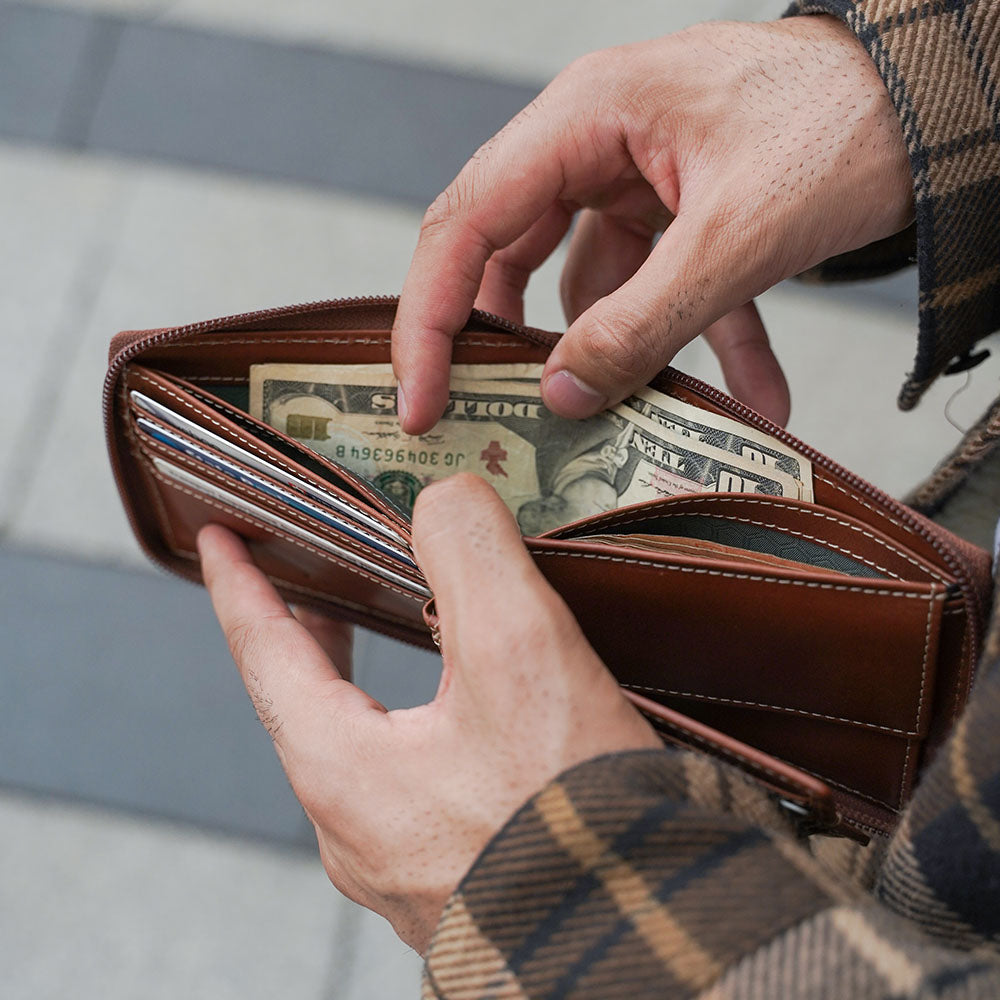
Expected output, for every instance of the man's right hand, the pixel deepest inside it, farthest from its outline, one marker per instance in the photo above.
(759, 150)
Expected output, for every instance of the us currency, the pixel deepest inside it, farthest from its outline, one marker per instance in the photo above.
(723, 432)
(549, 471)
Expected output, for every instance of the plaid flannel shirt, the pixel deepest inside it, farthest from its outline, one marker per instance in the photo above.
(667, 874)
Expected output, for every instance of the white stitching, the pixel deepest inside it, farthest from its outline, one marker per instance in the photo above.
(775, 708)
(166, 527)
(737, 576)
(866, 505)
(190, 406)
(244, 439)
(651, 515)
(290, 538)
(923, 685)
(856, 791)
(148, 445)
(727, 754)
(376, 340)
(818, 715)
(326, 598)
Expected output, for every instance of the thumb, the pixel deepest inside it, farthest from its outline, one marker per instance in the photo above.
(497, 612)
(697, 272)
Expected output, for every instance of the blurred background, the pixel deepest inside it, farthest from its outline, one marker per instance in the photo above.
(166, 161)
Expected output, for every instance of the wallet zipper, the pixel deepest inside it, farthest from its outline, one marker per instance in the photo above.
(545, 338)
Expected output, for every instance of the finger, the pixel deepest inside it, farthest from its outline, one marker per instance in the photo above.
(537, 160)
(603, 254)
(749, 366)
(507, 272)
(461, 528)
(285, 671)
(699, 270)
(335, 638)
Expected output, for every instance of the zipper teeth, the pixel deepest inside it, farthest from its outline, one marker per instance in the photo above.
(164, 336)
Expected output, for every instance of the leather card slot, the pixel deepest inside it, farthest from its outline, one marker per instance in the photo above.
(255, 482)
(767, 651)
(296, 566)
(808, 793)
(877, 767)
(219, 418)
(778, 526)
(763, 641)
(371, 554)
(701, 548)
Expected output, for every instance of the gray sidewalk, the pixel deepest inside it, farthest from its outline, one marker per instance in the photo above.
(164, 162)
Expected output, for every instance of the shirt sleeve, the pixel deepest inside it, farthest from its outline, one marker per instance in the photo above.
(940, 63)
(659, 874)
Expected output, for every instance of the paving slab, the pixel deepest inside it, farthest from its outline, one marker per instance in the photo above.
(192, 245)
(518, 40)
(60, 215)
(33, 37)
(100, 906)
(118, 688)
(368, 961)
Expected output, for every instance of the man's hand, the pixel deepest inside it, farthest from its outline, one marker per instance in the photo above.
(759, 150)
(404, 801)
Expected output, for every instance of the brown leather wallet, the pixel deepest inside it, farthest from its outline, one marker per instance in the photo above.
(833, 686)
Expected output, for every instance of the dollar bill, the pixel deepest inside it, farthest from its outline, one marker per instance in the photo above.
(724, 433)
(549, 471)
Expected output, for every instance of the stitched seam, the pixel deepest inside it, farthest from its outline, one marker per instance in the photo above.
(377, 340)
(263, 429)
(813, 513)
(700, 571)
(776, 708)
(166, 527)
(161, 511)
(728, 754)
(855, 791)
(875, 510)
(290, 538)
(326, 598)
(923, 685)
(189, 406)
(268, 503)
(959, 702)
(966, 587)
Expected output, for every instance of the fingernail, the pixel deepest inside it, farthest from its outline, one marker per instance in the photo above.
(569, 396)
(400, 403)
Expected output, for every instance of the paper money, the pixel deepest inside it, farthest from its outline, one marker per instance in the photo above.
(549, 471)
(724, 433)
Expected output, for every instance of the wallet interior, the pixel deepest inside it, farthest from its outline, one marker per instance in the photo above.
(837, 635)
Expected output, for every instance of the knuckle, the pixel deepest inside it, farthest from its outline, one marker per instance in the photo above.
(627, 347)
(439, 500)
(437, 506)
(441, 211)
(243, 639)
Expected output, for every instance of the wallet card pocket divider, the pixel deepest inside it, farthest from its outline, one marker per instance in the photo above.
(788, 529)
(371, 579)
(791, 661)
(276, 507)
(849, 660)
(201, 407)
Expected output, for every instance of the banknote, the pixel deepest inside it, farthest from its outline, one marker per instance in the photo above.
(723, 432)
(549, 471)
